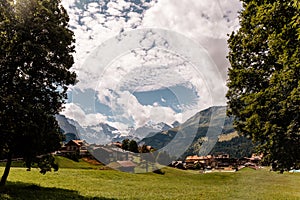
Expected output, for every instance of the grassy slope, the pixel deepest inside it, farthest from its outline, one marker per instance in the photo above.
(67, 163)
(62, 163)
(175, 184)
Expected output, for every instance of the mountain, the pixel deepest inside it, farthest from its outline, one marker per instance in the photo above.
(67, 129)
(100, 133)
(150, 129)
(204, 129)
(103, 133)
(200, 133)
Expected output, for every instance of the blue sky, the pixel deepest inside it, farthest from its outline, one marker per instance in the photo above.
(175, 97)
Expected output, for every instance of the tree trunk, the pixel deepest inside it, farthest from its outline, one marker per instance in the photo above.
(7, 169)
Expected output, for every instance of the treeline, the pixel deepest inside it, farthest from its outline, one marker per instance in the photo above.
(237, 147)
(148, 153)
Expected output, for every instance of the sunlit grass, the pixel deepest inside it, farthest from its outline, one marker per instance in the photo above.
(174, 184)
(81, 180)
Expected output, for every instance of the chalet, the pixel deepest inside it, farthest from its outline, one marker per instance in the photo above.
(117, 144)
(108, 154)
(253, 162)
(220, 161)
(178, 164)
(150, 148)
(123, 165)
(204, 161)
(126, 166)
(256, 159)
(192, 159)
(222, 156)
(75, 147)
(224, 162)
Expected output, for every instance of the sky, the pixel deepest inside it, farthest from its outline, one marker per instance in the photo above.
(148, 61)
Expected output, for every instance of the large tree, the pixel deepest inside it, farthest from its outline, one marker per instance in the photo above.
(36, 48)
(264, 79)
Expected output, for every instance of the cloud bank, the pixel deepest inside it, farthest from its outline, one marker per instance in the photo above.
(205, 22)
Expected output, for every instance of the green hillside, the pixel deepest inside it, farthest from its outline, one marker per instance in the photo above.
(236, 146)
(82, 164)
(62, 163)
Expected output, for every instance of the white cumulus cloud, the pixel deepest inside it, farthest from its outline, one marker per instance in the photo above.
(76, 113)
(114, 79)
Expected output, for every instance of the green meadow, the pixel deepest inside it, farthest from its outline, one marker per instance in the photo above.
(86, 181)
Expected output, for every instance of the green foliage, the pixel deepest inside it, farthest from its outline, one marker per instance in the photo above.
(237, 147)
(36, 54)
(264, 83)
(133, 147)
(125, 144)
(143, 149)
(130, 145)
(63, 162)
(46, 163)
(73, 156)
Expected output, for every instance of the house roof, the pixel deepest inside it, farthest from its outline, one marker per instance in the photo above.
(118, 144)
(195, 157)
(126, 163)
(78, 143)
(149, 148)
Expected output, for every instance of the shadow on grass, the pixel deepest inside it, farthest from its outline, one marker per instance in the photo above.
(24, 191)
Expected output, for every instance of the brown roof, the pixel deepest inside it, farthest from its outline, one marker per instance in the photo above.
(126, 163)
(195, 157)
(78, 143)
(149, 148)
(117, 144)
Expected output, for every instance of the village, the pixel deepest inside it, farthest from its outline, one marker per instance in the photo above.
(114, 156)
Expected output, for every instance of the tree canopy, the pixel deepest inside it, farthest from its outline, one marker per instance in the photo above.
(130, 145)
(264, 79)
(36, 48)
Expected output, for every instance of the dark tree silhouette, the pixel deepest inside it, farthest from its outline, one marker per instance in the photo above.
(125, 144)
(133, 147)
(36, 54)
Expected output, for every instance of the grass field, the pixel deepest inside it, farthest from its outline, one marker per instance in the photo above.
(86, 182)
